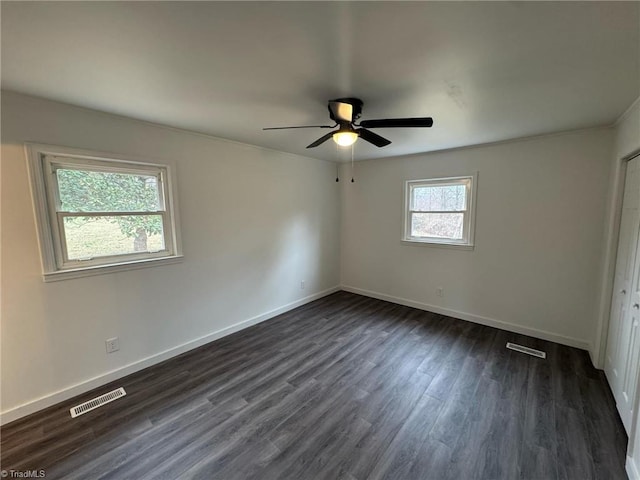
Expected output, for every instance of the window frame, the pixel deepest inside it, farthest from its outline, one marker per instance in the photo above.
(468, 237)
(43, 162)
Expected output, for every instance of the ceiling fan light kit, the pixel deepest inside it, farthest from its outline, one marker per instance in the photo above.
(345, 112)
(345, 138)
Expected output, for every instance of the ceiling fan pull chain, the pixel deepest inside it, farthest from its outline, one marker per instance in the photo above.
(337, 163)
(352, 180)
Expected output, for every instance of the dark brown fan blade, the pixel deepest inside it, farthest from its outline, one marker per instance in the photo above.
(371, 137)
(305, 126)
(397, 122)
(321, 140)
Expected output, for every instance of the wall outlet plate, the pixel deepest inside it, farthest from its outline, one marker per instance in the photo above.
(112, 344)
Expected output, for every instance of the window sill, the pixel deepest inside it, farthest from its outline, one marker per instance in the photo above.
(113, 268)
(424, 243)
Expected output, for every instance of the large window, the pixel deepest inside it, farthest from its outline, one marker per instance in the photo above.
(440, 211)
(97, 214)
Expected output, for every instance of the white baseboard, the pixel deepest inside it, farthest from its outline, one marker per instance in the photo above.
(596, 361)
(490, 322)
(632, 469)
(84, 386)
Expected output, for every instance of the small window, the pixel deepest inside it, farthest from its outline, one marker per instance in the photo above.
(440, 211)
(95, 212)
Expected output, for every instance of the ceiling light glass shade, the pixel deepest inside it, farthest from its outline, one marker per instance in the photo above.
(344, 139)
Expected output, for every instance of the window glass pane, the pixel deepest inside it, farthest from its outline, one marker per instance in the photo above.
(90, 237)
(87, 191)
(438, 225)
(439, 198)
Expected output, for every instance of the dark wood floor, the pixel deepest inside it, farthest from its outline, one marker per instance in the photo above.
(346, 387)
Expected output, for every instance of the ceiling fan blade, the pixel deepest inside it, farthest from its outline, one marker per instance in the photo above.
(341, 111)
(321, 140)
(371, 137)
(305, 126)
(397, 122)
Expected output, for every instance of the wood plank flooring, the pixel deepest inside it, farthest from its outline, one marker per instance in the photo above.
(346, 387)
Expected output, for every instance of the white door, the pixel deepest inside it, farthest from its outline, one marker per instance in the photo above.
(622, 359)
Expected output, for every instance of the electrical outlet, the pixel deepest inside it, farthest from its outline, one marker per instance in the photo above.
(302, 285)
(440, 292)
(112, 344)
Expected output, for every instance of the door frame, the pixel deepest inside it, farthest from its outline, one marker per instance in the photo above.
(614, 216)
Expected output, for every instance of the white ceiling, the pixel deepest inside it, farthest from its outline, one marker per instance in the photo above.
(484, 71)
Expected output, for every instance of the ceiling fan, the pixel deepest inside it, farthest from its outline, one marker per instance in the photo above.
(345, 112)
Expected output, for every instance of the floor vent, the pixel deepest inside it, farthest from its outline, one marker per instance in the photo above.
(97, 402)
(527, 350)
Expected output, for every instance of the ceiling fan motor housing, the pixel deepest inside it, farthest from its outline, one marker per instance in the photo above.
(356, 105)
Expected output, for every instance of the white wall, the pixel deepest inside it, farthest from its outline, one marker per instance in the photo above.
(538, 242)
(255, 223)
(627, 132)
